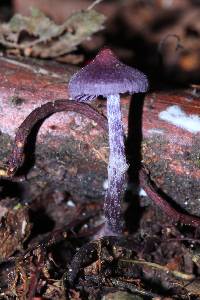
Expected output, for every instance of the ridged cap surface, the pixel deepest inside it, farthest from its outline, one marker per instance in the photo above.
(104, 76)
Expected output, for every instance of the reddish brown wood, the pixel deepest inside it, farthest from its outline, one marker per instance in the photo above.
(169, 152)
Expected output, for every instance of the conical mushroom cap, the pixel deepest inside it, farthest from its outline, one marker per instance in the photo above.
(105, 76)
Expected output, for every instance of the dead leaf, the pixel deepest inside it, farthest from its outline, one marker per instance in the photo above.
(193, 287)
(14, 230)
(38, 36)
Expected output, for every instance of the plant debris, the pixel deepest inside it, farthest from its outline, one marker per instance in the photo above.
(38, 36)
(14, 231)
(108, 258)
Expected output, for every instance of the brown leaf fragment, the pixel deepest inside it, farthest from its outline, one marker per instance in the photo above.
(193, 287)
(71, 58)
(38, 36)
(14, 230)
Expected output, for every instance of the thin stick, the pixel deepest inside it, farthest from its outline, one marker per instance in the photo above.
(91, 6)
(163, 204)
(176, 273)
(17, 155)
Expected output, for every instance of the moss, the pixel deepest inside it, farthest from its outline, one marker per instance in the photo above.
(174, 170)
(6, 143)
(16, 101)
(62, 163)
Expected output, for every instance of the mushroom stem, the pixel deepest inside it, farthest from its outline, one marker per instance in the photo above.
(117, 167)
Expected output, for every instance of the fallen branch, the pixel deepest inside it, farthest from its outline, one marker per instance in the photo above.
(41, 113)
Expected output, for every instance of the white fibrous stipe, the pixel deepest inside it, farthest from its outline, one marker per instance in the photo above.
(118, 163)
(117, 160)
(117, 166)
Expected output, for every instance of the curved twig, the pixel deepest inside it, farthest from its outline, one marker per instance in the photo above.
(163, 204)
(93, 4)
(39, 114)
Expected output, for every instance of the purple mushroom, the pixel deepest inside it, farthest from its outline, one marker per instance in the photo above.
(108, 77)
